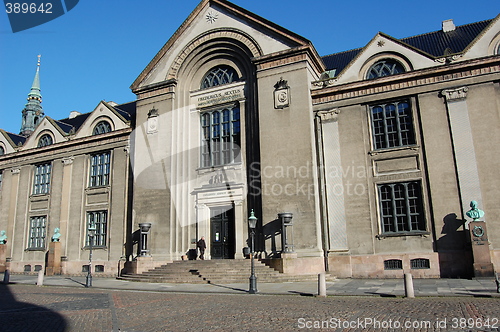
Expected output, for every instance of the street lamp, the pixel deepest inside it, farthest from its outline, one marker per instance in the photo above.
(91, 234)
(252, 223)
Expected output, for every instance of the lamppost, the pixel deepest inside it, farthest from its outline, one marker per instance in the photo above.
(252, 223)
(91, 234)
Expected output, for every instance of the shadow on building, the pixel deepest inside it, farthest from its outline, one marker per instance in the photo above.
(453, 248)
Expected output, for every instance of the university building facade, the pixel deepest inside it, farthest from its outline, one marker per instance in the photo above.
(376, 153)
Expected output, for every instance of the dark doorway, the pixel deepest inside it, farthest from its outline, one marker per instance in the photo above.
(222, 232)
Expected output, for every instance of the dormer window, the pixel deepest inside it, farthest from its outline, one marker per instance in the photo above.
(385, 67)
(102, 128)
(218, 76)
(45, 140)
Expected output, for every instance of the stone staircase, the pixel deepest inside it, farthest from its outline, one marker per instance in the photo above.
(214, 272)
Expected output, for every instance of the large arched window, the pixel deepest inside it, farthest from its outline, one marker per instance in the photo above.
(385, 67)
(102, 128)
(45, 140)
(219, 75)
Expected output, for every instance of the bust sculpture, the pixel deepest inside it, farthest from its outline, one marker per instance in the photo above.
(57, 235)
(3, 237)
(474, 212)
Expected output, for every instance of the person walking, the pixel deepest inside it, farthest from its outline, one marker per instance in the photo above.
(201, 245)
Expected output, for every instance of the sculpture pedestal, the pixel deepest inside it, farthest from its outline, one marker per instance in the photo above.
(3, 256)
(54, 259)
(483, 268)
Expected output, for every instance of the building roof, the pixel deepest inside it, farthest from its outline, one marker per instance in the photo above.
(436, 44)
(16, 139)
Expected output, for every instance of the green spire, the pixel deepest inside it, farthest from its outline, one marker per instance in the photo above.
(33, 112)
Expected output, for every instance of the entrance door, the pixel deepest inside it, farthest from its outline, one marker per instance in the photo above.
(222, 233)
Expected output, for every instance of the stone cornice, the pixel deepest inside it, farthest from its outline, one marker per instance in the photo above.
(302, 53)
(445, 73)
(66, 149)
(156, 89)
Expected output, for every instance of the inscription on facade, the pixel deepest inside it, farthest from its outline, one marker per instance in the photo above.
(220, 97)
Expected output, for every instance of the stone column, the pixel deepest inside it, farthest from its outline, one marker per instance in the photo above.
(463, 145)
(239, 229)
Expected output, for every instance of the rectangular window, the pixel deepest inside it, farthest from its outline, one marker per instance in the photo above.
(220, 137)
(41, 183)
(99, 221)
(401, 207)
(392, 125)
(37, 233)
(100, 169)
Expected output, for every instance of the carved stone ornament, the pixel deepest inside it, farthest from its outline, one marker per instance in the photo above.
(16, 170)
(68, 160)
(152, 125)
(281, 94)
(455, 94)
(330, 115)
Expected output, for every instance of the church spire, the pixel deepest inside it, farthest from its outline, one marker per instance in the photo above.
(33, 112)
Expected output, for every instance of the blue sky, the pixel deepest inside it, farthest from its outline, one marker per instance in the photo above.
(95, 51)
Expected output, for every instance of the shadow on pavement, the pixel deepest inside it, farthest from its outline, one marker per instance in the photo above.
(75, 281)
(22, 316)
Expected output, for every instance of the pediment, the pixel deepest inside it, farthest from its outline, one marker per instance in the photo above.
(384, 46)
(487, 43)
(102, 112)
(8, 145)
(216, 19)
(46, 126)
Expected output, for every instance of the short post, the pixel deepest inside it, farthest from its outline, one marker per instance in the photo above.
(322, 284)
(409, 291)
(39, 281)
(6, 276)
(497, 282)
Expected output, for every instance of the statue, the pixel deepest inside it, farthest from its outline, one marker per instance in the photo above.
(56, 236)
(474, 212)
(3, 237)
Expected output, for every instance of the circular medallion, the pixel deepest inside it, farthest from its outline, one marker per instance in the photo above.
(478, 231)
(282, 96)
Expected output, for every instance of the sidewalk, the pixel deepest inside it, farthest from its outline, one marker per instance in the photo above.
(357, 287)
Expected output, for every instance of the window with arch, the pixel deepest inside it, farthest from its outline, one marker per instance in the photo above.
(385, 67)
(401, 208)
(2, 151)
(221, 137)
(45, 140)
(102, 128)
(218, 76)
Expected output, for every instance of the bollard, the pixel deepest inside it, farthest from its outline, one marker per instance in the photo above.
(409, 292)
(6, 276)
(322, 284)
(39, 281)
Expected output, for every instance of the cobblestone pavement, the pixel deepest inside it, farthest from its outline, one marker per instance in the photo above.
(49, 308)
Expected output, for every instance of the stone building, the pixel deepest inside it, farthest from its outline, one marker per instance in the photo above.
(376, 152)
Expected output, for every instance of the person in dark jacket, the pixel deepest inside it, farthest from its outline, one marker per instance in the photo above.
(201, 245)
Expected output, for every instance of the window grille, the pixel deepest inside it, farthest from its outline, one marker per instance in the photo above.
(392, 125)
(99, 221)
(385, 67)
(393, 264)
(41, 183)
(420, 263)
(401, 207)
(100, 165)
(45, 140)
(218, 76)
(220, 131)
(37, 233)
(102, 128)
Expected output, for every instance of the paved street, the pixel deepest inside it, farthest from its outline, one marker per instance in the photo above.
(27, 307)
